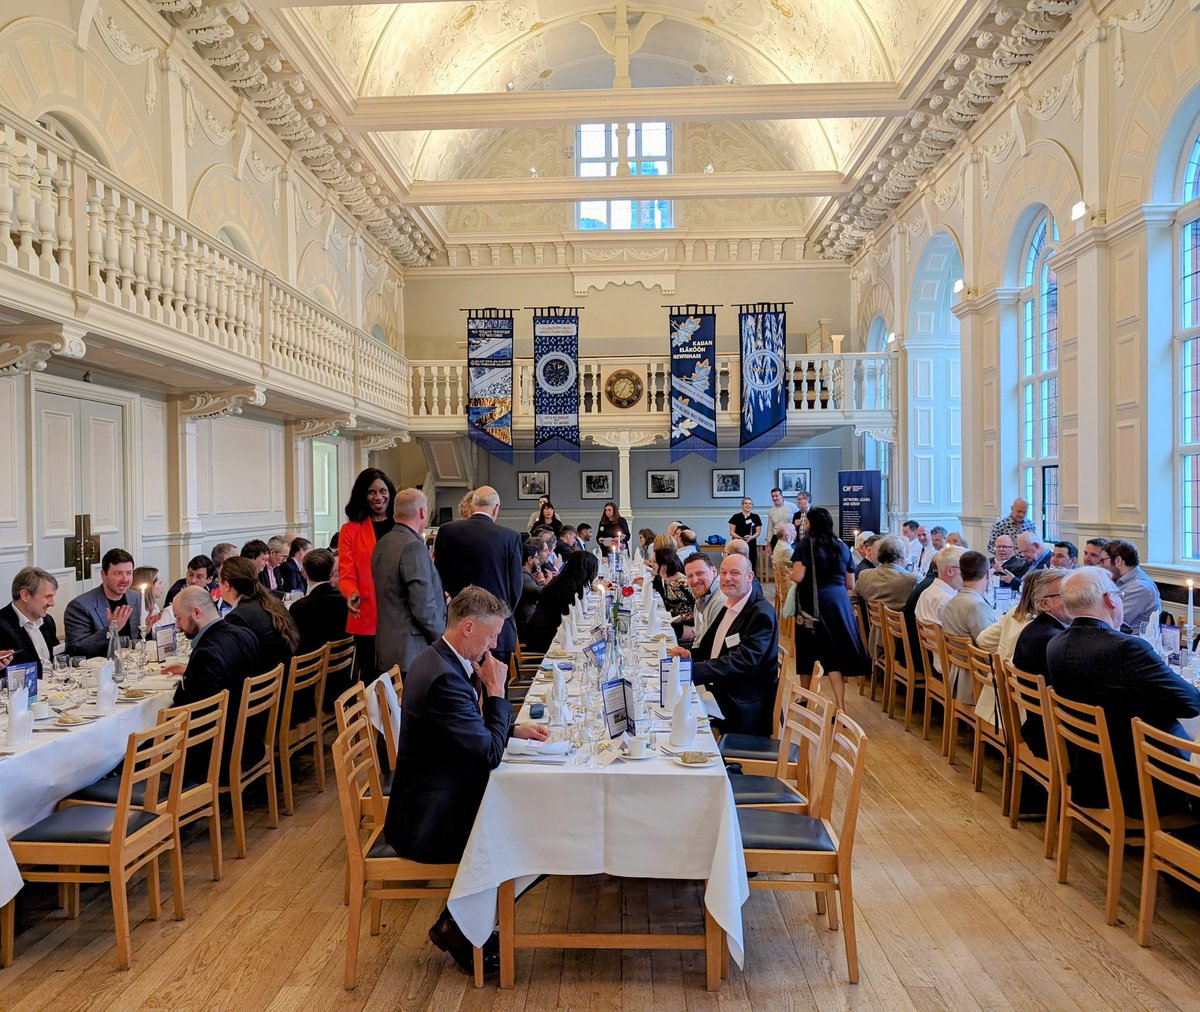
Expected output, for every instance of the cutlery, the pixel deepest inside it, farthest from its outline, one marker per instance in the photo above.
(535, 761)
(51, 730)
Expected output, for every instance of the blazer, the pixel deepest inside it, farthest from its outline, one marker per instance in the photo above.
(355, 545)
(481, 552)
(890, 584)
(225, 657)
(13, 637)
(1090, 662)
(272, 648)
(445, 753)
(409, 598)
(86, 621)
(744, 677)
(320, 617)
(910, 620)
(290, 577)
(1029, 655)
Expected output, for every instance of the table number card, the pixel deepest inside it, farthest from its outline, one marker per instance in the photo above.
(597, 650)
(665, 669)
(1170, 644)
(166, 641)
(618, 707)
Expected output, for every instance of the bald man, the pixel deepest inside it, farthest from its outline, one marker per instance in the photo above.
(736, 656)
(479, 551)
(1012, 525)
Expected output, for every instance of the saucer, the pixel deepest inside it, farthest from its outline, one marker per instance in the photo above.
(637, 758)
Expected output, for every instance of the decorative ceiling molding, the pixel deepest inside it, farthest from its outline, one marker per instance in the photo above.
(224, 403)
(25, 349)
(375, 441)
(226, 35)
(624, 439)
(664, 281)
(971, 80)
(309, 428)
(882, 433)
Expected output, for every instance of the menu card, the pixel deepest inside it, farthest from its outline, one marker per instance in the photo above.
(22, 676)
(596, 650)
(666, 667)
(1170, 644)
(166, 641)
(618, 707)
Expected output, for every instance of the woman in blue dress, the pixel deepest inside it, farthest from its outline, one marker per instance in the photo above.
(824, 574)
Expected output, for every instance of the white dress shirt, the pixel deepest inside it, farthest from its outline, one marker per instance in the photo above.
(732, 611)
(921, 559)
(33, 627)
(930, 605)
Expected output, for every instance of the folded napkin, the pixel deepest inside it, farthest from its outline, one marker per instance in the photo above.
(106, 698)
(160, 684)
(526, 746)
(20, 728)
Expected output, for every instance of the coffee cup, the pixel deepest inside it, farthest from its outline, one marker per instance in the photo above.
(636, 745)
(40, 709)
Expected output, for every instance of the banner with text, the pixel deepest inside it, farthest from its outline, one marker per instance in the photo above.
(859, 505)
(764, 362)
(693, 385)
(490, 381)
(556, 385)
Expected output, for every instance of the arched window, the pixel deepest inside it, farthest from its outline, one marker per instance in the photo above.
(1038, 383)
(1187, 340)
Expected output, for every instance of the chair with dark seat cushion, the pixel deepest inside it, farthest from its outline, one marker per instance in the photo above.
(759, 754)
(792, 844)
(254, 734)
(300, 721)
(809, 719)
(756, 748)
(76, 845)
(106, 791)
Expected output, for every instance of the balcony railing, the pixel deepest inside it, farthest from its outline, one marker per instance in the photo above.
(68, 221)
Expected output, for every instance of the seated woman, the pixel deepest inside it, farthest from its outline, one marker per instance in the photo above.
(672, 586)
(555, 599)
(547, 521)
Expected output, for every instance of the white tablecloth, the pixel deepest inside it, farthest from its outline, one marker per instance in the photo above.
(644, 819)
(39, 775)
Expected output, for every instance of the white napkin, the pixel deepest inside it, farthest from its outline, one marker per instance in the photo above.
(662, 653)
(671, 688)
(560, 685)
(711, 706)
(20, 720)
(568, 642)
(683, 722)
(106, 692)
(526, 746)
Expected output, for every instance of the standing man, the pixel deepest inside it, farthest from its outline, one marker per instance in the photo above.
(447, 747)
(1013, 524)
(479, 551)
(408, 590)
(26, 626)
(88, 616)
(779, 513)
(923, 554)
(803, 504)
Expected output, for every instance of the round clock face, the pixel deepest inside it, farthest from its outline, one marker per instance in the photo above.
(624, 388)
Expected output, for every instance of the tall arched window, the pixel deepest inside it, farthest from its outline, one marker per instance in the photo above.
(1187, 340)
(1038, 384)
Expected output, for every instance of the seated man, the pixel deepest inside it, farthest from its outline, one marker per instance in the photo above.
(26, 626)
(585, 536)
(889, 582)
(687, 544)
(568, 541)
(968, 614)
(269, 576)
(701, 574)
(223, 655)
(257, 552)
(201, 572)
(321, 614)
(1092, 662)
(88, 616)
(736, 658)
(290, 573)
(1139, 594)
(447, 748)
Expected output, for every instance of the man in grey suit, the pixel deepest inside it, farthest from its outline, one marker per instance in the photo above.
(888, 582)
(408, 590)
(968, 614)
(88, 616)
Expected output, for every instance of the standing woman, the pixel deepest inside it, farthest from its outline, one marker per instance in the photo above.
(821, 566)
(612, 525)
(368, 518)
(747, 525)
(547, 520)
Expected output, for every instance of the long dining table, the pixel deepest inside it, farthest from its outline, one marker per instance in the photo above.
(650, 818)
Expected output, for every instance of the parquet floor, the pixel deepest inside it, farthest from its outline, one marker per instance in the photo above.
(954, 910)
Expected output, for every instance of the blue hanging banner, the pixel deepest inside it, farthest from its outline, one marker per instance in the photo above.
(556, 383)
(490, 380)
(764, 365)
(693, 381)
(859, 503)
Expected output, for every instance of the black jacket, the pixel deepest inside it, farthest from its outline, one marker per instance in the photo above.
(13, 637)
(320, 616)
(479, 551)
(446, 751)
(744, 677)
(289, 576)
(1029, 655)
(272, 648)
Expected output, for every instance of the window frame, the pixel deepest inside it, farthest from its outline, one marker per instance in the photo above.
(1187, 217)
(611, 160)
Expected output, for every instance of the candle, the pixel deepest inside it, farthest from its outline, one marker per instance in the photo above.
(145, 589)
(1191, 609)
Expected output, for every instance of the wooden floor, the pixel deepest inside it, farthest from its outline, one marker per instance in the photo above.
(954, 909)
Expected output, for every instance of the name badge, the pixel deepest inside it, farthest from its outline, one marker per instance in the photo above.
(732, 641)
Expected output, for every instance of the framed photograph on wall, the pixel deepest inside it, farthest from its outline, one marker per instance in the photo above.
(795, 479)
(728, 482)
(532, 484)
(662, 484)
(596, 484)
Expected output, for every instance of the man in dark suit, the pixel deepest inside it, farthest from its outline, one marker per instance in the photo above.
(223, 656)
(1092, 662)
(737, 657)
(290, 573)
(478, 551)
(26, 625)
(447, 748)
(320, 615)
(408, 591)
(1029, 654)
(201, 572)
(88, 616)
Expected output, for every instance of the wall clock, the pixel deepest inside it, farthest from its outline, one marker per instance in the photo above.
(624, 388)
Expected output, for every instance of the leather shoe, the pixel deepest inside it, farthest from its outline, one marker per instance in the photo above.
(445, 934)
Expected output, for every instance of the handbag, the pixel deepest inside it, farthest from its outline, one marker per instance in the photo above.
(804, 619)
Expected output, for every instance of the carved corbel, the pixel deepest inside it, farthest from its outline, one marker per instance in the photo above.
(309, 428)
(882, 433)
(27, 348)
(224, 403)
(624, 439)
(373, 441)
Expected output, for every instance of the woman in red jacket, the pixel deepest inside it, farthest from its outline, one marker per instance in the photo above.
(369, 518)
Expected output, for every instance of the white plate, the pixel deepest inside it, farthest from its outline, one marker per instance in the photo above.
(693, 766)
(637, 758)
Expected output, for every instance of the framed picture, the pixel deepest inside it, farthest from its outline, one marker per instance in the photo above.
(728, 482)
(793, 480)
(662, 484)
(532, 484)
(596, 484)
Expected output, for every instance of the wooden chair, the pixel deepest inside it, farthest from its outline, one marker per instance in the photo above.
(1160, 764)
(875, 624)
(198, 799)
(350, 706)
(860, 616)
(758, 754)
(1027, 694)
(988, 677)
(934, 647)
(812, 844)
(957, 661)
(339, 675)
(897, 672)
(376, 871)
(80, 843)
(391, 730)
(260, 699)
(809, 720)
(306, 676)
